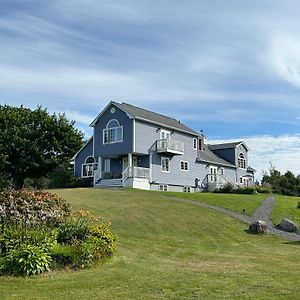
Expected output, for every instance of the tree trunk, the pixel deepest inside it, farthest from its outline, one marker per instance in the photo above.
(19, 182)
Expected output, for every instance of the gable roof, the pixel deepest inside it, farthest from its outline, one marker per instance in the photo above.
(208, 156)
(85, 144)
(135, 112)
(228, 145)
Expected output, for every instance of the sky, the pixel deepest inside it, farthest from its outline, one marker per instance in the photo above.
(230, 68)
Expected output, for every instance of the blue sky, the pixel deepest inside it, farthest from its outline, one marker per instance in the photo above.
(231, 68)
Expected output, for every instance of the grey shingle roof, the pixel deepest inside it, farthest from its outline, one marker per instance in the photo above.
(225, 145)
(152, 117)
(208, 156)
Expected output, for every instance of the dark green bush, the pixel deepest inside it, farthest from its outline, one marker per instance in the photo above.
(246, 190)
(298, 205)
(227, 189)
(63, 177)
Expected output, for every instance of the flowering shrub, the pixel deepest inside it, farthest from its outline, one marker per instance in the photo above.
(39, 231)
(31, 207)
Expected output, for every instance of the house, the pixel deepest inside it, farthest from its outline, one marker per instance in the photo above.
(135, 147)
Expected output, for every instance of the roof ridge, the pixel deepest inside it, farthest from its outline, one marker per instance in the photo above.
(153, 112)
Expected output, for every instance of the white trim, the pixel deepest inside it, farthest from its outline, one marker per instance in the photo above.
(164, 131)
(185, 162)
(161, 165)
(106, 108)
(104, 129)
(93, 141)
(110, 121)
(195, 142)
(222, 170)
(133, 136)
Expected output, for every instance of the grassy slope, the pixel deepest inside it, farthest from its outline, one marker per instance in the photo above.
(169, 250)
(286, 207)
(231, 201)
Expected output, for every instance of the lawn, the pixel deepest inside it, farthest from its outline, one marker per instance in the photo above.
(169, 250)
(286, 207)
(233, 202)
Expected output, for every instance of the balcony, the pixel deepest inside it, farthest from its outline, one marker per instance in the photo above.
(169, 146)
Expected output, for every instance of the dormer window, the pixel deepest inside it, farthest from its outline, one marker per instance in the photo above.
(241, 161)
(113, 133)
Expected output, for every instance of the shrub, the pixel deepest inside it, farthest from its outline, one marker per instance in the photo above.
(39, 183)
(227, 189)
(26, 259)
(263, 189)
(40, 231)
(71, 231)
(246, 190)
(298, 206)
(13, 237)
(63, 177)
(31, 207)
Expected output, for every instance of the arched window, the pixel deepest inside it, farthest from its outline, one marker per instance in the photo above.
(113, 124)
(89, 167)
(90, 160)
(241, 161)
(113, 133)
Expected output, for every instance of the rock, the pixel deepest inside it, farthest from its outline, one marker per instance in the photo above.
(288, 225)
(258, 227)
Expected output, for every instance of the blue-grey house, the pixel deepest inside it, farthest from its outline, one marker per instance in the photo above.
(134, 147)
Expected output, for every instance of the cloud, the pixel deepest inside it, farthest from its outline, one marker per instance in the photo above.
(282, 151)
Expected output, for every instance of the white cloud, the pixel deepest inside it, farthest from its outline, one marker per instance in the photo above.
(283, 56)
(282, 151)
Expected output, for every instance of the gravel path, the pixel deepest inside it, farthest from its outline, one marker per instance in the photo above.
(261, 213)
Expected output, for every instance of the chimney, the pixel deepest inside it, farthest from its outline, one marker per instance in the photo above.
(202, 141)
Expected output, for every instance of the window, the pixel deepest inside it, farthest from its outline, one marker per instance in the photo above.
(165, 164)
(184, 165)
(89, 167)
(165, 134)
(195, 144)
(163, 187)
(241, 179)
(241, 161)
(113, 133)
(222, 171)
(186, 189)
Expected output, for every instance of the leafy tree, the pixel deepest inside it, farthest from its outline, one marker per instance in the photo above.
(33, 142)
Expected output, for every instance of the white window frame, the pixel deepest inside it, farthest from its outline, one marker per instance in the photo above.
(195, 143)
(166, 132)
(185, 165)
(89, 168)
(241, 161)
(108, 131)
(186, 189)
(222, 170)
(162, 165)
(163, 187)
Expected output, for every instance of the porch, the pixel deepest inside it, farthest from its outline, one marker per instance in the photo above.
(126, 170)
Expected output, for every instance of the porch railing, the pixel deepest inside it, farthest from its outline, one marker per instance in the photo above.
(135, 172)
(171, 145)
(217, 180)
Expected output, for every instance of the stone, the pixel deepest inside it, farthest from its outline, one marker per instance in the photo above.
(288, 225)
(258, 227)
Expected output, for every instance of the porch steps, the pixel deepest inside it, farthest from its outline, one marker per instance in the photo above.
(109, 183)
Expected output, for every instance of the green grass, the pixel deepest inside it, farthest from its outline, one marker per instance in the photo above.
(169, 250)
(235, 202)
(286, 207)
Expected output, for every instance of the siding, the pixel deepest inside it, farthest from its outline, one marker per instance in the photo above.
(86, 151)
(227, 154)
(114, 149)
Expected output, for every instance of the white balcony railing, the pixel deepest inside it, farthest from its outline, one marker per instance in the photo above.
(136, 172)
(171, 146)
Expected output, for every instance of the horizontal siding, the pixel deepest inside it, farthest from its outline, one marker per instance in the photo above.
(114, 149)
(86, 151)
